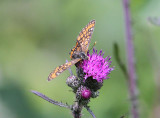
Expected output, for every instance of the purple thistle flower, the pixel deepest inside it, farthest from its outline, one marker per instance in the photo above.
(96, 66)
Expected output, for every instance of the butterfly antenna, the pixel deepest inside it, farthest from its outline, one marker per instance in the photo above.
(93, 46)
(70, 71)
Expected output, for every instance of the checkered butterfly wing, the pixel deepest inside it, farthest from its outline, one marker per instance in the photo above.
(62, 68)
(83, 39)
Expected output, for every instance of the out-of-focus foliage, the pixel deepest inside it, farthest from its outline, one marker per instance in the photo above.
(37, 35)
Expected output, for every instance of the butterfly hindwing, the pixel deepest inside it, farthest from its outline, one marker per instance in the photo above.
(62, 68)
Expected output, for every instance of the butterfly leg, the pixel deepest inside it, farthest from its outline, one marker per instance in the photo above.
(70, 71)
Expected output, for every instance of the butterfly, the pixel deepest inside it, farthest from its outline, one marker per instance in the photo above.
(78, 52)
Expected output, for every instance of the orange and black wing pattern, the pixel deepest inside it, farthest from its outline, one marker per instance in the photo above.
(82, 44)
(62, 68)
(83, 39)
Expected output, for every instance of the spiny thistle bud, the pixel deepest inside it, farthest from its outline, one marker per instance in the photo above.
(83, 93)
(73, 82)
(86, 94)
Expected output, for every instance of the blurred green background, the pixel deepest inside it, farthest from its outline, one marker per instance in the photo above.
(37, 35)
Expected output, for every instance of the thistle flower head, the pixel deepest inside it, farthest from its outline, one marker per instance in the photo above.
(96, 66)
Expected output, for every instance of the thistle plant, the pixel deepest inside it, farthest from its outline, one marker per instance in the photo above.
(92, 70)
(90, 76)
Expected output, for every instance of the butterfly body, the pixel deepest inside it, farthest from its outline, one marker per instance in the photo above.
(80, 55)
(79, 52)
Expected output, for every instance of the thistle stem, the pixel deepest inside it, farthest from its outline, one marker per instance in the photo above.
(77, 109)
(90, 111)
(130, 61)
(119, 61)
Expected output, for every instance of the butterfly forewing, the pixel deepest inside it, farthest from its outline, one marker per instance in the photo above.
(87, 34)
(83, 39)
(62, 68)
